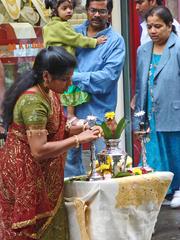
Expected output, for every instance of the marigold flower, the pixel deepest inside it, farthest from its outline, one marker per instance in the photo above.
(110, 115)
(104, 166)
(108, 160)
(137, 171)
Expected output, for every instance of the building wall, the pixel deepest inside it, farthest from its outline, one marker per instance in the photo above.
(116, 23)
(173, 6)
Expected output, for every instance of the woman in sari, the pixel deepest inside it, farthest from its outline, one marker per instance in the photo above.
(32, 159)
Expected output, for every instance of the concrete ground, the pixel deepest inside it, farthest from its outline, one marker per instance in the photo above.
(168, 223)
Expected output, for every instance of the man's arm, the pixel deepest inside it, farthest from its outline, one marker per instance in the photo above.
(102, 81)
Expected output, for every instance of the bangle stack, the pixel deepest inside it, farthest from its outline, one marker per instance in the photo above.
(69, 123)
(81, 123)
(77, 141)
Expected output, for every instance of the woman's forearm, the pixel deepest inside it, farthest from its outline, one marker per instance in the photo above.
(76, 130)
(42, 149)
(53, 149)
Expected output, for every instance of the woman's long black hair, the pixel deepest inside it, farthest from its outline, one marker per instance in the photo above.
(55, 60)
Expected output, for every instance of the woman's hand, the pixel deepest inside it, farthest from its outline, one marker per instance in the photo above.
(90, 134)
(98, 129)
(42, 149)
(139, 134)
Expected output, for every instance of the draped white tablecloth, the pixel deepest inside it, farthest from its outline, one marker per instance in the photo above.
(116, 209)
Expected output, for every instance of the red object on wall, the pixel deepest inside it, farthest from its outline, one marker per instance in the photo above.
(134, 43)
(9, 43)
(8, 35)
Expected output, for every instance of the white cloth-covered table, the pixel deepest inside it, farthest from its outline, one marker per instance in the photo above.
(116, 209)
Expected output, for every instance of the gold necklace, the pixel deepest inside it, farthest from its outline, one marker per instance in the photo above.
(44, 94)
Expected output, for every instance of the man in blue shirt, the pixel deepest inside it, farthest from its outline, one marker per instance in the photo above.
(98, 73)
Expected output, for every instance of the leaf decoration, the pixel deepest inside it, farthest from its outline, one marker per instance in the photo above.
(106, 130)
(123, 174)
(120, 127)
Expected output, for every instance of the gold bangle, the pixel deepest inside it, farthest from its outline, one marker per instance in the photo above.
(69, 123)
(76, 141)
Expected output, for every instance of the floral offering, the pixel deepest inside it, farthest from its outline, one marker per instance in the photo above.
(112, 129)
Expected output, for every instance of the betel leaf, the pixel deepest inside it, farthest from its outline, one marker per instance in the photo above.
(107, 131)
(122, 174)
(120, 127)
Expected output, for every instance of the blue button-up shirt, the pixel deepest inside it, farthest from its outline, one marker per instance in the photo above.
(98, 73)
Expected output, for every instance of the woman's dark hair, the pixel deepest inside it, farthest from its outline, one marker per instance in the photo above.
(54, 4)
(163, 13)
(56, 60)
(109, 4)
(159, 2)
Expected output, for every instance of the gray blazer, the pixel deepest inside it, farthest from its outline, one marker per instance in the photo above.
(166, 85)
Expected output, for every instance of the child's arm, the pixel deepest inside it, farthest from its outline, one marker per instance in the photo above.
(101, 39)
(63, 33)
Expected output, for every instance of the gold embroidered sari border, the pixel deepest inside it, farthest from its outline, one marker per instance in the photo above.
(31, 132)
(42, 230)
(31, 221)
(47, 223)
(37, 127)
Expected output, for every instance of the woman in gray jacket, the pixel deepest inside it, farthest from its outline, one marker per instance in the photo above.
(158, 95)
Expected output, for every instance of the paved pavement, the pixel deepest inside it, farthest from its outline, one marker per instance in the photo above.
(168, 224)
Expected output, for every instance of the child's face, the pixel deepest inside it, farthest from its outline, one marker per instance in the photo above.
(65, 10)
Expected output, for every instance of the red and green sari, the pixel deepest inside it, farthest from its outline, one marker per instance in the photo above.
(31, 192)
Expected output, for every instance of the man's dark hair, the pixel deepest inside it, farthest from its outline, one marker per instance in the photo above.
(109, 4)
(159, 2)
